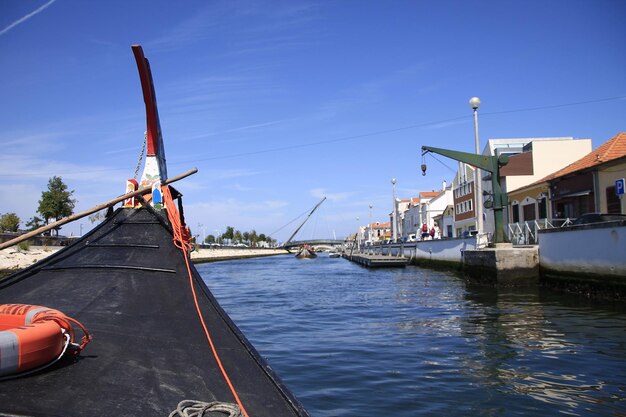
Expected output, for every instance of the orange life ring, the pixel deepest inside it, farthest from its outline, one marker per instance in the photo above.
(34, 336)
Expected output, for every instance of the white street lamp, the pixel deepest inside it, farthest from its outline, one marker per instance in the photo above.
(370, 237)
(478, 185)
(394, 219)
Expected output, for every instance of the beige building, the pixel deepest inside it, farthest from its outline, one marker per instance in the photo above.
(585, 185)
(530, 160)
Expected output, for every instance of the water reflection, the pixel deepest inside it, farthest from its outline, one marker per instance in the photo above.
(523, 347)
(412, 342)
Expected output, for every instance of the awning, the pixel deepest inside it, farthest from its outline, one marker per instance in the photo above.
(574, 194)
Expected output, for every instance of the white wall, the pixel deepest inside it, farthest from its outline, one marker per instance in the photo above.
(438, 249)
(596, 248)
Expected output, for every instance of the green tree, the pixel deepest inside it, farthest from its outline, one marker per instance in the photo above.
(57, 202)
(9, 222)
(246, 236)
(229, 233)
(253, 237)
(34, 223)
(209, 239)
(237, 236)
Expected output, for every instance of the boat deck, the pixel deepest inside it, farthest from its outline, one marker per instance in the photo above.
(128, 284)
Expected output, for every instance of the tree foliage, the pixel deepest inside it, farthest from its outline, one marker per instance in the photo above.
(232, 235)
(229, 233)
(9, 222)
(34, 223)
(57, 202)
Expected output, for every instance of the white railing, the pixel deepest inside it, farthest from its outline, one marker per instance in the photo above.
(525, 233)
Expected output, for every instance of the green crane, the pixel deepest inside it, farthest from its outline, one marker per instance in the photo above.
(490, 164)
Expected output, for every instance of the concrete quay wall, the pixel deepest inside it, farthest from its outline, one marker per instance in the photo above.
(588, 259)
(503, 265)
(442, 250)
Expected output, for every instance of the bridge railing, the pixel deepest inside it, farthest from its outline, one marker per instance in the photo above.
(315, 242)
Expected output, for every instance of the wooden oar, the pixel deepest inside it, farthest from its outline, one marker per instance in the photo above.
(99, 207)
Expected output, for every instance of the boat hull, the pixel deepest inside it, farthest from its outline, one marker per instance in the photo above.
(128, 284)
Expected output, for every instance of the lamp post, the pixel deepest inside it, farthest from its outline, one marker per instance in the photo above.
(358, 235)
(394, 218)
(201, 227)
(370, 231)
(478, 186)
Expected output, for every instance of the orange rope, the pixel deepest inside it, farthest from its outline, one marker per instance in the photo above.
(182, 241)
(66, 323)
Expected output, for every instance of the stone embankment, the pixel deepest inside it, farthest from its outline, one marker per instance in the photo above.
(223, 254)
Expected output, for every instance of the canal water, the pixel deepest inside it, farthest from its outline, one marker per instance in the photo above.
(350, 341)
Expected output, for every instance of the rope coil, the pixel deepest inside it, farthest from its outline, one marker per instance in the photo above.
(190, 408)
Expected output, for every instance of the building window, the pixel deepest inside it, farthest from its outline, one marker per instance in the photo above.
(612, 201)
(543, 208)
(515, 213)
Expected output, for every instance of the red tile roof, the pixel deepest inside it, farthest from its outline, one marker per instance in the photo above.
(612, 149)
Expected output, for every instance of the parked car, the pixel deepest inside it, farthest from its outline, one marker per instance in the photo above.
(598, 218)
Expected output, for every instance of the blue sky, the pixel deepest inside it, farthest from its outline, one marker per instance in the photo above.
(279, 103)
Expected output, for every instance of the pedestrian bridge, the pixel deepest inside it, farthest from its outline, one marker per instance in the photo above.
(316, 243)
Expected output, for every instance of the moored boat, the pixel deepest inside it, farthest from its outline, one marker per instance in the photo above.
(161, 342)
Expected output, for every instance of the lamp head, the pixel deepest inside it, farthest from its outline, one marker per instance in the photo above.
(474, 102)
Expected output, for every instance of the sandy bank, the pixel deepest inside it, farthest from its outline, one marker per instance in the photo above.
(13, 259)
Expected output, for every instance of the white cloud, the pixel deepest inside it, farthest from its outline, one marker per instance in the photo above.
(25, 18)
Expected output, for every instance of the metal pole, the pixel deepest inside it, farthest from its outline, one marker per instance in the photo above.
(478, 186)
(370, 233)
(394, 218)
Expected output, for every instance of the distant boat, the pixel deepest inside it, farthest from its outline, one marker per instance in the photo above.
(334, 255)
(306, 252)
